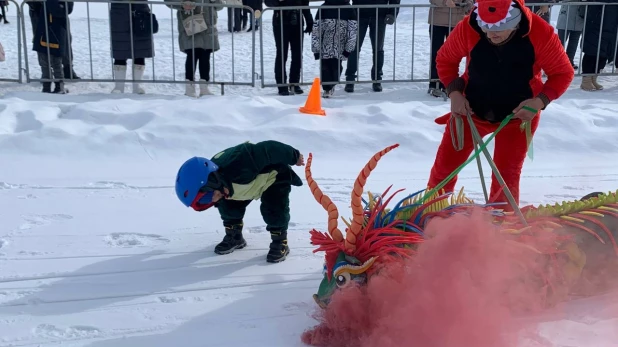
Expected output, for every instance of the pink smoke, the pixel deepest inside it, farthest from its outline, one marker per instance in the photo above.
(464, 287)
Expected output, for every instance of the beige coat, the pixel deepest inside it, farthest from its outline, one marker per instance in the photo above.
(441, 14)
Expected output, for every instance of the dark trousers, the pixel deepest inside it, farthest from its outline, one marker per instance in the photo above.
(3, 16)
(589, 64)
(291, 37)
(198, 57)
(331, 71)
(234, 19)
(136, 61)
(438, 35)
(275, 208)
(377, 30)
(573, 38)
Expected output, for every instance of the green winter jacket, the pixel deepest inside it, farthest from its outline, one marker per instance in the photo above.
(249, 169)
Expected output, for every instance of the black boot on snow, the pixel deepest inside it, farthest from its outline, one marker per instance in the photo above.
(279, 249)
(232, 240)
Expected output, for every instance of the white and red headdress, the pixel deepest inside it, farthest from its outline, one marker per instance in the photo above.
(497, 15)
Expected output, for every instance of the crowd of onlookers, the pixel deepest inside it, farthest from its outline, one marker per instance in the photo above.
(336, 35)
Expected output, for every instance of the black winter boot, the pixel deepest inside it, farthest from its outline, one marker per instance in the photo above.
(279, 249)
(59, 88)
(232, 240)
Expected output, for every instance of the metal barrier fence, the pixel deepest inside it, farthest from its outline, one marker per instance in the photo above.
(12, 52)
(142, 43)
(400, 65)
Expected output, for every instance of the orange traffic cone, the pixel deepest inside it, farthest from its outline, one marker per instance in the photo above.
(313, 105)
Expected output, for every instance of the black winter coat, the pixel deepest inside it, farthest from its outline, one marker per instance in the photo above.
(120, 23)
(51, 27)
(254, 4)
(291, 17)
(594, 34)
(371, 12)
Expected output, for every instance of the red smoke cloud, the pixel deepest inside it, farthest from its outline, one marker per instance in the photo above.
(464, 287)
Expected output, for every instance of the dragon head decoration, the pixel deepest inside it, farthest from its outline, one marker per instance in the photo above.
(561, 236)
(368, 240)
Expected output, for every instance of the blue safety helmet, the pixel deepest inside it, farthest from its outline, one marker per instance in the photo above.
(193, 177)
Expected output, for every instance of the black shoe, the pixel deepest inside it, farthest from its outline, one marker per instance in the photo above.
(377, 87)
(279, 249)
(349, 88)
(284, 91)
(296, 90)
(232, 240)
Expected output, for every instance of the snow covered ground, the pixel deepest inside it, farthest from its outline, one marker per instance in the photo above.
(95, 249)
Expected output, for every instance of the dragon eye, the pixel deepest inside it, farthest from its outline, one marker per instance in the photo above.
(342, 279)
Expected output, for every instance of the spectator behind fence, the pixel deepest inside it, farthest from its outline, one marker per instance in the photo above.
(599, 44)
(288, 32)
(442, 20)
(570, 25)
(51, 40)
(67, 59)
(333, 39)
(198, 37)
(256, 6)
(234, 15)
(543, 11)
(132, 26)
(374, 19)
(4, 6)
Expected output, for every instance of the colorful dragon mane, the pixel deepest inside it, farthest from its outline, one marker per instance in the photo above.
(378, 235)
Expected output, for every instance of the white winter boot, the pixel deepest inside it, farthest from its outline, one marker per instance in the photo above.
(204, 89)
(138, 71)
(190, 89)
(120, 73)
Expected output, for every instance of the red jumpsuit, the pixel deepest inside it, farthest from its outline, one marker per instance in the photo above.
(496, 80)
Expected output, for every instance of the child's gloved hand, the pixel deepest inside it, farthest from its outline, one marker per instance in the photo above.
(317, 56)
(346, 54)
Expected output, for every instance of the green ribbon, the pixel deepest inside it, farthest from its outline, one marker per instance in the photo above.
(524, 126)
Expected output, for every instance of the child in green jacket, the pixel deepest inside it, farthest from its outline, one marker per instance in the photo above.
(236, 176)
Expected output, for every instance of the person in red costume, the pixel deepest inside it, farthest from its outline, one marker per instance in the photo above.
(506, 46)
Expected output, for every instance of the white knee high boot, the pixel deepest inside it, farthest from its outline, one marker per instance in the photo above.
(138, 71)
(120, 73)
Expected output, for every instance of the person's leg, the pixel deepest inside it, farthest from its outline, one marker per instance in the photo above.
(448, 158)
(571, 48)
(275, 209)
(232, 213)
(45, 70)
(589, 66)
(509, 154)
(204, 62)
(352, 65)
(329, 73)
(120, 73)
(56, 64)
(281, 55)
(295, 39)
(438, 35)
(377, 32)
(190, 65)
(139, 67)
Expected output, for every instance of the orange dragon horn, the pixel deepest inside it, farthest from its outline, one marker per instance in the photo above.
(357, 192)
(325, 201)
